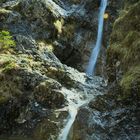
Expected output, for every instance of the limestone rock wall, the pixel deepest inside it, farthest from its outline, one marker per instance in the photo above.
(115, 115)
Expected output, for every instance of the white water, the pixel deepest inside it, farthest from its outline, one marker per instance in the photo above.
(75, 100)
(76, 97)
(93, 59)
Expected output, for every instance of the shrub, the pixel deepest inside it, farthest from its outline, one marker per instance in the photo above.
(6, 40)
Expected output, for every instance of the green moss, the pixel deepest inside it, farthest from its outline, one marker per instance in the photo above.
(9, 66)
(10, 86)
(125, 43)
(123, 57)
(128, 21)
(6, 40)
(131, 51)
(131, 82)
(7, 62)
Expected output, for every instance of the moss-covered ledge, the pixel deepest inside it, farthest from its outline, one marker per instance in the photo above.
(123, 59)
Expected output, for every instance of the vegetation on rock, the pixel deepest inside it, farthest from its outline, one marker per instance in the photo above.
(123, 54)
(6, 40)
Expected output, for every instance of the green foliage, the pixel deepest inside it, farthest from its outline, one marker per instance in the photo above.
(124, 48)
(9, 66)
(131, 81)
(6, 40)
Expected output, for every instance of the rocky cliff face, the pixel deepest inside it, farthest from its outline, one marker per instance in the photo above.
(36, 85)
(69, 26)
(123, 54)
(115, 115)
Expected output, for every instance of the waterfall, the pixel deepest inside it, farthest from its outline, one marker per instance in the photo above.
(75, 100)
(94, 55)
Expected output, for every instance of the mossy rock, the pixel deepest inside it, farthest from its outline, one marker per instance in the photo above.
(48, 94)
(130, 83)
(123, 57)
(61, 75)
(124, 43)
(10, 87)
(46, 130)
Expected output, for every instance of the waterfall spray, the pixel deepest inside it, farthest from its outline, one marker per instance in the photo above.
(94, 55)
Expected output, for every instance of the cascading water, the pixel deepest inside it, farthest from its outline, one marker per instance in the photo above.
(75, 99)
(93, 59)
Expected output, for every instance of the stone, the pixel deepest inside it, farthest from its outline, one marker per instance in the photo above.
(47, 93)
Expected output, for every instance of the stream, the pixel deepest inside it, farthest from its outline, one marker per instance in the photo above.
(76, 100)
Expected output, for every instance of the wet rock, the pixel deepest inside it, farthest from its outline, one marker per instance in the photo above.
(106, 119)
(47, 93)
(46, 129)
(114, 115)
(70, 24)
(71, 28)
(35, 88)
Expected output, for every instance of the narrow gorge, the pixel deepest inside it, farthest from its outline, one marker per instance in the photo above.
(69, 70)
